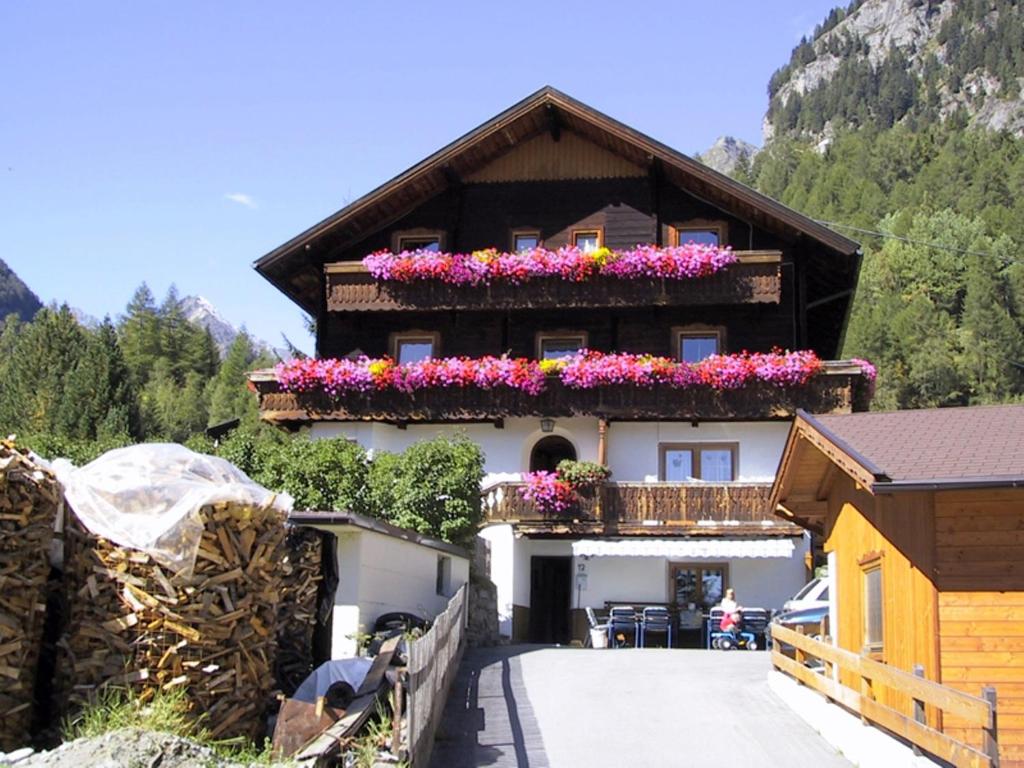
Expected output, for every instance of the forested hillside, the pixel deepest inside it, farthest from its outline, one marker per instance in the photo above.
(935, 196)
(152, 375)
(16, 297)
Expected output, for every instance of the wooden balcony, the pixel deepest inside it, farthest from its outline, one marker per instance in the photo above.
(650, 509)
(842, 388)
(755, 278)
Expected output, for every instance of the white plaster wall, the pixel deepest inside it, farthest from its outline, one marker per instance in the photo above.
(502, 543)
(379, 574)
(632, 447)
(505, 450)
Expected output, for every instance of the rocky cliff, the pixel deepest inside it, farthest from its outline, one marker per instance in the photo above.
(886, 61)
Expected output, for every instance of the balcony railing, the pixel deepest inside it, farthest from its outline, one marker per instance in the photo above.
(754, 279)
(651, 508)
(841, 388)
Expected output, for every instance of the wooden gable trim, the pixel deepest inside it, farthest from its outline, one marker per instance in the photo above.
(520, 122)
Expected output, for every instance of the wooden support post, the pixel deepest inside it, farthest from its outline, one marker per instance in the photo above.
(396, 732)
(798, 654)
(919, 715)
(602, 442)
(990, 743)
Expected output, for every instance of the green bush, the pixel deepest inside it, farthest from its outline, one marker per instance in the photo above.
(328, 474)
(583, 474)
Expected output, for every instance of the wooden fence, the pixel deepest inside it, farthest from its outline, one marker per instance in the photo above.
(978, 712)
(433, 664)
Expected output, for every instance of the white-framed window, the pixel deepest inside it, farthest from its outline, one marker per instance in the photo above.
(554, 346)
(413, 346)
(710, 462)
(587, 239)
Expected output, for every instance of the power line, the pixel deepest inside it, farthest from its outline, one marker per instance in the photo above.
(925, 243)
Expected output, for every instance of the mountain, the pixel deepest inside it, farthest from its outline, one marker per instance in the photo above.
(883, 62)
(200, 311)
(15, 296)
(727, 154)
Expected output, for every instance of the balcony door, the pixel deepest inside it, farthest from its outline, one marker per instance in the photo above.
(549, 451)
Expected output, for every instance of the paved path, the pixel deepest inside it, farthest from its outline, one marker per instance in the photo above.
(534, 706)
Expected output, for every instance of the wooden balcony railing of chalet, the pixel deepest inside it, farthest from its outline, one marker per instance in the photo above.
(754, 279)
(841, 388)
(669, 509)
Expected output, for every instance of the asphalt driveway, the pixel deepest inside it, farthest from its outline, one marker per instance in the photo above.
(536, 706)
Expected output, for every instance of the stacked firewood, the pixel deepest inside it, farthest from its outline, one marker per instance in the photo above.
(213, 634)
(29, 499)
(297, 610)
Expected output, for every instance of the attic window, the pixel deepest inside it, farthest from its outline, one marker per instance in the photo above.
(418, 240)
(693, 344)
(554, 346)
(414, 346)
(525, 240)
(587, 239)
(700, 233)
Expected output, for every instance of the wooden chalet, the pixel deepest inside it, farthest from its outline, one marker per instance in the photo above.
(922, 515)
(551, 171)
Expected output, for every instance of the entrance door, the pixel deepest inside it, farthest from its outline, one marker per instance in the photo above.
(550, 592)
(549, 451)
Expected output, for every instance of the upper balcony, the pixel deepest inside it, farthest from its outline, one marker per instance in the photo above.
(650, 509)
(840, 387)
(755, 278)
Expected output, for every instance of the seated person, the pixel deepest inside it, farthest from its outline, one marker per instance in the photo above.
(731, 616)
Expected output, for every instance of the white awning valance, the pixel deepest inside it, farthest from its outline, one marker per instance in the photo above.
(684, 548)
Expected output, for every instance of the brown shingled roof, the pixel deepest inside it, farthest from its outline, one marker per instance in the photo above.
(936, 445)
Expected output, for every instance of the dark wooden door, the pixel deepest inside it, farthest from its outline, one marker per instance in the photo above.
(550, 592)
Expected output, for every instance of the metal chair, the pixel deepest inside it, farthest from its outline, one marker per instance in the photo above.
(595, 626)
(622, 618)
(655, 619)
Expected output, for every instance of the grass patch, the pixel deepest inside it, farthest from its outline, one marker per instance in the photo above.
(166, 712)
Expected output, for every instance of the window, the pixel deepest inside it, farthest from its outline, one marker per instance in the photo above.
(558, 345)
(702, 584)
(691, 345)
(417, 240)
(871, 569)
(444, 575)
(525, 240)
(702, 233)
(711, 462)
(414, 346)
(587, 239)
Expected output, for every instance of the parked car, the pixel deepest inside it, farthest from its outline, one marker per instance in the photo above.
(813, 595)
(808, 618)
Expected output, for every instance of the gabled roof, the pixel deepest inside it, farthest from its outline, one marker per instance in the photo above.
(291, 269)
(888, 452)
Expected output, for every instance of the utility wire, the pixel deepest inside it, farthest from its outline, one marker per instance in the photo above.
(935, 246)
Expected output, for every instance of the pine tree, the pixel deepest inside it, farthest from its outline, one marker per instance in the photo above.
(139, 333)
(229, 395)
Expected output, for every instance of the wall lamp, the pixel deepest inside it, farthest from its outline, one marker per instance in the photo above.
(547, 425)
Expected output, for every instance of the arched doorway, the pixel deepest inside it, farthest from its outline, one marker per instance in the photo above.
(549, 451)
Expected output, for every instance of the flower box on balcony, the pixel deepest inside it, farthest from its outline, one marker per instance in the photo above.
(753, 278)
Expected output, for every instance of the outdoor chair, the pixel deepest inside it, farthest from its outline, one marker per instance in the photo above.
(655, 619)
(596, 632)
(622, 620)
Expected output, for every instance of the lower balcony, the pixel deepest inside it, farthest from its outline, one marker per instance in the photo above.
(651, 509)
(842, 387)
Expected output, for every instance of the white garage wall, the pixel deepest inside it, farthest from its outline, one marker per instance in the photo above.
(379, 574)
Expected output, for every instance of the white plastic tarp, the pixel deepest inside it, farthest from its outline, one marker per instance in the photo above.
(352, 671)
(685, 548)
(147, 497)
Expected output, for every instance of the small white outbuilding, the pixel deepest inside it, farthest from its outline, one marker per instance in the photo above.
(382, 569)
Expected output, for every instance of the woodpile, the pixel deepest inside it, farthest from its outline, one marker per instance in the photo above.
(29, 500)
(297, 610)
(213, 635)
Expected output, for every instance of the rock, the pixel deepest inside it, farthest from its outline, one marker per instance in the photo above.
(727, 153)
(16, 756)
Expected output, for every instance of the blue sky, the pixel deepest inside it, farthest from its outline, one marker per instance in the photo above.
(177, 142)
